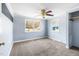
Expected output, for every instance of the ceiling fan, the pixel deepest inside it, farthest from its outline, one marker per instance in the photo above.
(45, 12)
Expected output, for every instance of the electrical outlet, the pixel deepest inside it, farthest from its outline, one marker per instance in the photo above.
(2, 43)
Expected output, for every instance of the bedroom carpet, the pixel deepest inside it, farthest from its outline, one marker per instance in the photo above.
(42, 47)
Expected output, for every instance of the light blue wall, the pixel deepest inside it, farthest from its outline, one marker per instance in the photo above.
(19, 29)
(61, 35)
(46, 29)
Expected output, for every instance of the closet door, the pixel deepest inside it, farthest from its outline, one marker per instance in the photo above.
(75, 32)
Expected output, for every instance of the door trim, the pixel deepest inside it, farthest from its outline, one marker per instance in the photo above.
(68, 43)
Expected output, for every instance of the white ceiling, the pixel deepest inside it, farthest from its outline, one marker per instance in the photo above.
(33, 9)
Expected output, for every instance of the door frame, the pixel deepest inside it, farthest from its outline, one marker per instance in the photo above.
(68, 40)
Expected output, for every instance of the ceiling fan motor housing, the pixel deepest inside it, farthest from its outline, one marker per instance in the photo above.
(43, 12)
(46, 13)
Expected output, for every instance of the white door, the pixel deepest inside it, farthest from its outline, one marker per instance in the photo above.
(6, 33)
(75, 33)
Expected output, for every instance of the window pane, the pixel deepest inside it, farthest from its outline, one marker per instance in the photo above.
(32, 25)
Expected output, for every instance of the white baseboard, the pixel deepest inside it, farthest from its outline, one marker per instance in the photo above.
(67, 47)
(37, 38)
(28, 39)
(57, 40)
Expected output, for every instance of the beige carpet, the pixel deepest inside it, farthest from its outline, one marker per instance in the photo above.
(42, 47)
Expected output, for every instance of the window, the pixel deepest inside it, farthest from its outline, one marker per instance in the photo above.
(32, 25)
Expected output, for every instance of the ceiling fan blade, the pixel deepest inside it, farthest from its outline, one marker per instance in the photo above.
(49, 11)
(49, 14)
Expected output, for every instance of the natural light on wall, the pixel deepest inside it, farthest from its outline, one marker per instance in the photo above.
(32, 25)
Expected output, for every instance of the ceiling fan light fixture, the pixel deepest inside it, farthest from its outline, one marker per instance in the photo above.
(43, 12)
(46, 13)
